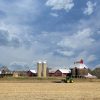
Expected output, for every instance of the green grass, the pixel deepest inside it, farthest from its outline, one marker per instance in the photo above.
(44, 80)
(29, 79)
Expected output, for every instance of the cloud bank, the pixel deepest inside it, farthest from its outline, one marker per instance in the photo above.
(60, 4)
(90, 8)
(54, 30)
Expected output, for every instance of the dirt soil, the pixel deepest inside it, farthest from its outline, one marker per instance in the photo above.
(50, 91)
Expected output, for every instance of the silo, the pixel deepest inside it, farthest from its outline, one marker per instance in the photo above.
(73, 72)
(44, 66)
(39, 69)
(76, 72)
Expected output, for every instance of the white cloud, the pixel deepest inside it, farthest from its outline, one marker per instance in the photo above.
(20, 66)
(11, 29)
(21, 54)
(17, 18)
(90, 8)
(54, 14)
(18, 14)
(81, 40)
(97, 66)
(18, 63)
(78, 45)
(60, 4)
(65, 53)
(82, 55)
(91, 58)
(86, 56)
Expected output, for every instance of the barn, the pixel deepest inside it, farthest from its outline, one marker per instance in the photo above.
(79, 69)
(32, 73)
(59, 72)
(51, 72)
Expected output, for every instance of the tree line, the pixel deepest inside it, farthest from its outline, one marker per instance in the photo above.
(95, 72)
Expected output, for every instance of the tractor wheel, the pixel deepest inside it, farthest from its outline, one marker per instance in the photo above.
(67, 81)
(71, 81)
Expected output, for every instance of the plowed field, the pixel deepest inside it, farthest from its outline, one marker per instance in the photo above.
(50, 91)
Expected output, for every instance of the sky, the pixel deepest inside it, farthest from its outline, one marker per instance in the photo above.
(57, 31)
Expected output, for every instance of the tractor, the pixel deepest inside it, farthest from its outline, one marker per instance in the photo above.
(68, 79)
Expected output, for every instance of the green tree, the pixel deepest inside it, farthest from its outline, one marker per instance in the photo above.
(96, 72)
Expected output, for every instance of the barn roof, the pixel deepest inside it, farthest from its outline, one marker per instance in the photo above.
(33, 71)
(79, 65)
(90, 76)
(52, 70)
(64, 70)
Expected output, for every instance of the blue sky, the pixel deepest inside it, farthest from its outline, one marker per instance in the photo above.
(59, 31)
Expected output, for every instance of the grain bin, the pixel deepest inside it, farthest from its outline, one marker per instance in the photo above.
(39, 68)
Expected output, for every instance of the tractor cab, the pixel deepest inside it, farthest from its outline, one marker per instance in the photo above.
(69, 79)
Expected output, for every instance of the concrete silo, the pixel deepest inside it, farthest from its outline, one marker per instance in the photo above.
(39, 69)
(44, 66)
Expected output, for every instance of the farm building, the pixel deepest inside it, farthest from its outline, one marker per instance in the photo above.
(32, 73)
(15, 74)
(62, 72)
(51, 72)
(90, 76)
(59, 72)
(79, 69)
(20, 73)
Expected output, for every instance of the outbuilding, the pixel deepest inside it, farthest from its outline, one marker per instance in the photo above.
(89, 76)
(62, 72)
